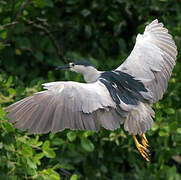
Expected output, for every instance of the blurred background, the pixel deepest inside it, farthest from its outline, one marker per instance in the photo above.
(38, 35)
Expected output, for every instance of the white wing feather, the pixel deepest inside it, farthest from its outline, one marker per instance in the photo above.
(152, 59)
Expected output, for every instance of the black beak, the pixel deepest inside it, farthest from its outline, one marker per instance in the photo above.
(64, 67)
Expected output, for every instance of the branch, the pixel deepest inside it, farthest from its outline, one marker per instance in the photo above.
(23, 5)
(53, 39)
(8, 24)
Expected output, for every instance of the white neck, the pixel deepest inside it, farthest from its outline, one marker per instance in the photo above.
(91, 75)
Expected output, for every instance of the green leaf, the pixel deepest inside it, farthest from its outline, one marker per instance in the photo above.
(23, 43)
(173, 126)
(9, 81)
(85, 12)
(39, 55)
(38, 144)
(9, 147)
(11, 91)
(88, 133)
(2, 113)
(44, 3)
(65, 166)
(155, 127)
(166, 128)
(1, 145)
(9, 127)
(57, 141)
(163, 133)
(49, 153)
(27, 150)
(39, 3)
(71, 136)
(51, 174)
(49, 3)
(54, 177)
(87, 145)
(6, 20)
(74, 177)
(3, 34)
(46, 145)
(179, 130)
(170, 111)
(31, 163)
(51, 136)
(37, 157)
(25, 13)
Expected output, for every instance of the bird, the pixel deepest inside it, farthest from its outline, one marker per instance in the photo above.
(120, 97)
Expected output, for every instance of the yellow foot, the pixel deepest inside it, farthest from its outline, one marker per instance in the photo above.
(142, 149)
(144, 141)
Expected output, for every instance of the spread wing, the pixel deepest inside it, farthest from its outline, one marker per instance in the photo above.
(64, 105)
(152, 59)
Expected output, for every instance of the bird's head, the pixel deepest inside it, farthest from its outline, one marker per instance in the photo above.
(83, 67)
(77, 66)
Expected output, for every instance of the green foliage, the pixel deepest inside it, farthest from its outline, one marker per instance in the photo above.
(40, 35)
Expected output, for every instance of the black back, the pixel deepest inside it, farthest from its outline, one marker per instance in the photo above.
(123, 86)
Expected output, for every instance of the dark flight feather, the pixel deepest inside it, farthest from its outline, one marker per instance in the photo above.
(124, 87)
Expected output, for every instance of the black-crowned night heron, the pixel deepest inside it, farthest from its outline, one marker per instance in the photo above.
(121, 96)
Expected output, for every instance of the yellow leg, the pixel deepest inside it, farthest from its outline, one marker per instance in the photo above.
(144, 141)
(142, 149)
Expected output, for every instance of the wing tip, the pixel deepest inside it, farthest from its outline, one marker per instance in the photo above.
(156, 29)
(156, 26)
(155, 21)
